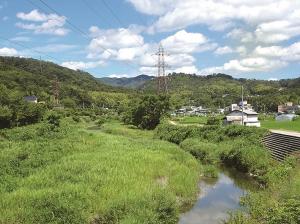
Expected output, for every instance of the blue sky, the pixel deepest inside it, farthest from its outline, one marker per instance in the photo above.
(253, 39)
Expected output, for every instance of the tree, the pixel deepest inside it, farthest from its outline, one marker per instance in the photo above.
(5, 117)
(147, 111)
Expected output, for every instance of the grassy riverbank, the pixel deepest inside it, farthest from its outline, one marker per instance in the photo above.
(81, 175)
(282, 125)
(240, 147)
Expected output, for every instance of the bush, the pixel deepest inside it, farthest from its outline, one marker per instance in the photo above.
(204, 151)
(76, 118)
(6, 115)
(101, 121)
(213, 121)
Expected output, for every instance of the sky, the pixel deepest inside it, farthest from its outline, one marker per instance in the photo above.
(257, 39)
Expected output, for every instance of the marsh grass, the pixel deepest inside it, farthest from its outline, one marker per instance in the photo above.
(110, 175)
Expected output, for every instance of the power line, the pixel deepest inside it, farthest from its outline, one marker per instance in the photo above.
(95, 12)
(29, 48)
(77, 29)
(117, 19)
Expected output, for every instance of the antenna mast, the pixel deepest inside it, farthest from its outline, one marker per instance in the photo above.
(162, 85)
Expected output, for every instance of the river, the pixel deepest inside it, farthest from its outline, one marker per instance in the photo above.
(218, 197)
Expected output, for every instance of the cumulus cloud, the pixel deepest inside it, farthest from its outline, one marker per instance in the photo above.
(223, 50)
(75, 65)
(289, 53)
(178, 14)
(43, 23)
(185, 42)
(251, 64)
(119, 44)
(8, 52)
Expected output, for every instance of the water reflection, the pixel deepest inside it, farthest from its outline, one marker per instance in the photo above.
(217, 198)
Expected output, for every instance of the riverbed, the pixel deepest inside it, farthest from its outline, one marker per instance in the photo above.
(218, 197)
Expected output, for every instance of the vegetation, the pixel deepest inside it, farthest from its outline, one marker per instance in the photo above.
(271, 123)
(220, 90)
(118, 175)
(146, 112)
(240, 147)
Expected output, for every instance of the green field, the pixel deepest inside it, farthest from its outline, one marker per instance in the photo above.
(86, 175)
(282, 125)
(190, 120)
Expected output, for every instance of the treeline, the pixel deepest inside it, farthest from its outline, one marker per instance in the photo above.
(221, 90)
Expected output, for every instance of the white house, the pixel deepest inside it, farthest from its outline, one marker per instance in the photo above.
(250, 118)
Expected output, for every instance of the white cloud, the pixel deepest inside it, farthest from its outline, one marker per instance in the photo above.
(184, 42)
(241, 35)
(273, 79)
(179, 14)
(5, 18)
(34, 15)
(43, 23)
(289, 53)
(187, 69)
(75, 65)
(8, 52)
(224, 50)
(119, 76)
(252, 64)
(118, 44)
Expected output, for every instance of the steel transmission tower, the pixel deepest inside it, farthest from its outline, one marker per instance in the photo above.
(162, 82)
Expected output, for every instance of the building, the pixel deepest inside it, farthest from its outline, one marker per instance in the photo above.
(31, 99)
(248, 117)
(287, 108)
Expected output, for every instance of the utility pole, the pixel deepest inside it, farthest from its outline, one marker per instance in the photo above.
(162, 85)
(242, 105)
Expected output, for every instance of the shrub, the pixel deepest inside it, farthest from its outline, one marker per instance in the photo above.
(6, 115)
(213, 121)
(204, 151)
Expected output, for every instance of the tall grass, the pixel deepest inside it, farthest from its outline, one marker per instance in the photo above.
(118, 175)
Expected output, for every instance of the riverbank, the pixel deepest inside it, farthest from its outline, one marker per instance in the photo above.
(241, 147)
(80, 174)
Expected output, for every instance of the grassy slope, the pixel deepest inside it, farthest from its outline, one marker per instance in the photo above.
(284, 125)
(90, 176)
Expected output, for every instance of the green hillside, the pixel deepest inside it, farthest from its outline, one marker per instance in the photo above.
(131, 82)
(220, 90)
(32, 77)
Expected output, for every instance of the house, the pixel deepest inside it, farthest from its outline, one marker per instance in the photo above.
(248, 117)
(287, 108)
(31, 99)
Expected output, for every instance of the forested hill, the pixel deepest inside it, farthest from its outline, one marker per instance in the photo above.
(221, 90)
(31, 77)
(131, 82)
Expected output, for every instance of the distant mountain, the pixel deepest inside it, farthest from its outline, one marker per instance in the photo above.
(132, 82)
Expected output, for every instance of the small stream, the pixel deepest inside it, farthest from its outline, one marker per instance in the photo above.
(218, 196)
